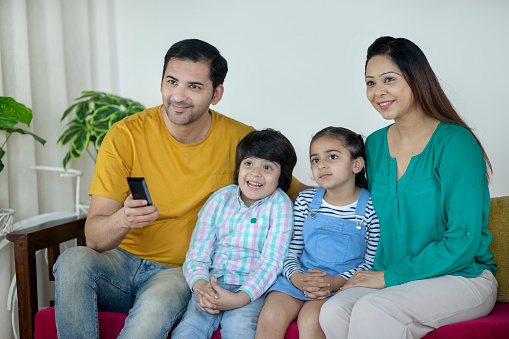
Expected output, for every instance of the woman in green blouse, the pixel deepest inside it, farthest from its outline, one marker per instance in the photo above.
(428, 175)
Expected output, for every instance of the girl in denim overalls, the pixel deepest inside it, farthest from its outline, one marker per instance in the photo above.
(335, 234)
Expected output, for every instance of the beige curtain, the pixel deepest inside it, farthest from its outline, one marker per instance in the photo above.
(50, 51)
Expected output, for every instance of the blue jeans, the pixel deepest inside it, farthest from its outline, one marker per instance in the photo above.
(236, 323)
(154, 295)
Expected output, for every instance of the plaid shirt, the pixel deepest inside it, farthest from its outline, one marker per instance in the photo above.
(245, 245)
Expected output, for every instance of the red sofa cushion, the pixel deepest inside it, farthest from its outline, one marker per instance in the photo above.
(495, 325)
(110, 325)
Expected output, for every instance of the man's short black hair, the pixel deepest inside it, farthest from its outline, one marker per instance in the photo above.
(199, 51)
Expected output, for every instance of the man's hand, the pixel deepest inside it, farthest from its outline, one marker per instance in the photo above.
(369, 279)
(108, 221)
(138, 214)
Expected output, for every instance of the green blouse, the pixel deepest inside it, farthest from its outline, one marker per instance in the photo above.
(433, 220)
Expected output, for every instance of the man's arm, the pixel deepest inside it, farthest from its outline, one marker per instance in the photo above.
(108, 221)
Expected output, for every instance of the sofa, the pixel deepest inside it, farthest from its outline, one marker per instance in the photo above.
(41, 324)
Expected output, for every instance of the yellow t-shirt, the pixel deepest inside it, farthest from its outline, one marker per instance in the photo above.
(180, 177)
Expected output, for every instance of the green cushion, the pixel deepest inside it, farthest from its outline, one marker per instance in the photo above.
(499, 228)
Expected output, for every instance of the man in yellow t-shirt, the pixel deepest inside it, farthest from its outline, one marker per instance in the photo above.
(185, 151)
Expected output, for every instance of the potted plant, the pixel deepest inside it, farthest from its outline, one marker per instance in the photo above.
(95, 113)
(12, 113)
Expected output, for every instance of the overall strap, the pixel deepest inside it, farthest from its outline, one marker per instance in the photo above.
(360, 210)
(317, 199)
(362, 203)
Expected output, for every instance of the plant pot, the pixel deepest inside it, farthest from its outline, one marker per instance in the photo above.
(6, 220)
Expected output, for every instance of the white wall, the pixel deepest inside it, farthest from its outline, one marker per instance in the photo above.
(297, 66)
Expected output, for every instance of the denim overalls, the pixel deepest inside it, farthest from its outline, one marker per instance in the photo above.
(331, 244)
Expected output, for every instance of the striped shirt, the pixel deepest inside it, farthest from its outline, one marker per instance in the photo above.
(301, 211)
(245, 245)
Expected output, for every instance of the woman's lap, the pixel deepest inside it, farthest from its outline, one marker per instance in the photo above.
(408, 310)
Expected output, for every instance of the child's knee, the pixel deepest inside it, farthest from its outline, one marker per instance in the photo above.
(309, 319)
(269, 317)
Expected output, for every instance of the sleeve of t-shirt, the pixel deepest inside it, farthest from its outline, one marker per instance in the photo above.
(292, 263)
(113, 165)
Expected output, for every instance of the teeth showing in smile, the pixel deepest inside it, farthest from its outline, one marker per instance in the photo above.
(386, 103)
(254, 184)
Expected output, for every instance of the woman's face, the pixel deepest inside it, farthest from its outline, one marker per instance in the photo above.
(387, 89)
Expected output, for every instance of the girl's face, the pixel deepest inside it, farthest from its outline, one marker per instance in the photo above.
(332, 164)
(258, 178)
(387, 89)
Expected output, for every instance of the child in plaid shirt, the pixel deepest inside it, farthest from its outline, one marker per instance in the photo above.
(240, 241)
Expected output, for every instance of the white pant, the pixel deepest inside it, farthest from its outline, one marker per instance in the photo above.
(409, 310)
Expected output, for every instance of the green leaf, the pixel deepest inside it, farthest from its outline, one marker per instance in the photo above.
(8, 106)
(104, 113)
(90, 94)
(8, 119)
(68, 111)
(66, 160)
(116, 117)
(2, 153)
(82, 110)
(74, 153)
(81, 141)
(71, 133)
(110, 100)
(125, 102)
(99, 127)
(99, 141)
(115, 99)
(22, 131)
(137, 108)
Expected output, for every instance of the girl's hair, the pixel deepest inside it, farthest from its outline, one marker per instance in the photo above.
(422, 81)
(353, 142)
(270, 145)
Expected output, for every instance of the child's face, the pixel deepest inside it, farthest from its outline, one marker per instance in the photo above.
(258, 178)
(332, 164)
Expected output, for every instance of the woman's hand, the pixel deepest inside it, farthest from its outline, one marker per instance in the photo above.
(369, 279)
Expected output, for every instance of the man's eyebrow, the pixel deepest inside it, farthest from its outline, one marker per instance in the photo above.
(190, 83)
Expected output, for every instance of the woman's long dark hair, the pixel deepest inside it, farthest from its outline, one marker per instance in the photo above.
(422, 81)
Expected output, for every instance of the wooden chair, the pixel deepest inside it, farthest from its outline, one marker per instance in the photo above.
(26, 243)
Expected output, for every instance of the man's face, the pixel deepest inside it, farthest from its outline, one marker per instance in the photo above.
(187, 91)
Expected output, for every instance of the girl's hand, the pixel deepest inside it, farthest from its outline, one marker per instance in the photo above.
(319, 284)
(369, 279)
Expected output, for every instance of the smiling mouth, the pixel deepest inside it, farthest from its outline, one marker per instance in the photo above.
(385, 104)
(179, 108)
(254, 184)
